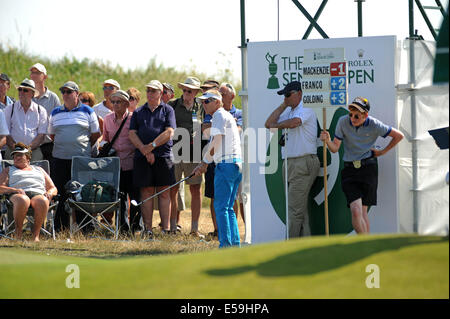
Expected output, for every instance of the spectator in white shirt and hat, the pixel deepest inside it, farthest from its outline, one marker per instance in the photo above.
(26, 120)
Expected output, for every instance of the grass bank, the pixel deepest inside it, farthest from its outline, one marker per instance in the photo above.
(318, 267)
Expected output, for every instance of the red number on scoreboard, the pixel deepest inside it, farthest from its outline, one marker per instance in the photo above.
(337, 69)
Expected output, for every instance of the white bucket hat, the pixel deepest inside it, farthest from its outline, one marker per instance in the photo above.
(29, 84)
(191, 83)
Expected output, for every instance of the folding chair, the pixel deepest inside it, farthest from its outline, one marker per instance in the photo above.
(6, 207)
(85, 170)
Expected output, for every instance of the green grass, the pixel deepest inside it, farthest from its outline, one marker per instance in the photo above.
(90, 74)
(318, 267)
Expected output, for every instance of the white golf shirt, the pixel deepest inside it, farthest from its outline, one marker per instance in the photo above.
(302, 140)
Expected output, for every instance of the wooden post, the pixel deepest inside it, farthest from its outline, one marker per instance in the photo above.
(327, 233)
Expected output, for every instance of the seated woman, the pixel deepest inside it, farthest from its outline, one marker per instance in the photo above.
(27, 185)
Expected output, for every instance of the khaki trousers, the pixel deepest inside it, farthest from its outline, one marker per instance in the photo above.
(302, 172)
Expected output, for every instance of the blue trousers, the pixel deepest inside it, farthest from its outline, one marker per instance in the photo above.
(227, 177)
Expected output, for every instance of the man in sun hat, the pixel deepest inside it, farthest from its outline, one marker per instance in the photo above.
(105, 107)
(73, 127)
(189, 116)
(26, 120)
(225, 150)
(151, 130)
(47, 98)
(359, 180)
(209, 84)
(125, 151)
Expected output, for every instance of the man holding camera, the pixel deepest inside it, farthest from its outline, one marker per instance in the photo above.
(300, 149)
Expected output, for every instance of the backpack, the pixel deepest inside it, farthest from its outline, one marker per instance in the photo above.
(98, 192)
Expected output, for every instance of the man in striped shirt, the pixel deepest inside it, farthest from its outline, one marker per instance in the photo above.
(73, 127)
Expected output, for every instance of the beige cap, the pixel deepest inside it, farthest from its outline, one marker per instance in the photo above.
(40, 67)
(122, 95)
(112, 82)
(155, 84)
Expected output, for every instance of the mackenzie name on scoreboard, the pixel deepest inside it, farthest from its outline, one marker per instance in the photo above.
(316, 70)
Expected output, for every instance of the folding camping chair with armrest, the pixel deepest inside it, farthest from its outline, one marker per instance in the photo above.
(85, 170)
(7, 216)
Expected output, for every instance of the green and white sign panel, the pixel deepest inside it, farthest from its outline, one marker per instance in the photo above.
(369, 72)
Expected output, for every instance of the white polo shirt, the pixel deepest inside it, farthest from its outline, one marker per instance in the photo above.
(224, 124)
(101, 110)
(24, 127)
(302, 140)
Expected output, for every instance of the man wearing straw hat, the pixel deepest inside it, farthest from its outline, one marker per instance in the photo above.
(188, 116)
(27, 121)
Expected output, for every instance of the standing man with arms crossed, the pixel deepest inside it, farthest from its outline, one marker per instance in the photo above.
(225, 150)
(151, 130)
(359, 178)
(301, 152)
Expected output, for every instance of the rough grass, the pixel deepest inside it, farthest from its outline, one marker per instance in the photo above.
(102, 244)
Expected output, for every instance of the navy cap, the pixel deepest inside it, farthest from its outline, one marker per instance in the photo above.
(361, 103)
(292, 86)
(5, 77)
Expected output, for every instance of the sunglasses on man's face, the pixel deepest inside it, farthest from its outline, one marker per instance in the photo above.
(207, 101)
(116, 102)
(187, 91)
(132, 98)
(354, 115)
(85, 100)
(66, 92)
(23, 90)
(289, 93)
(109, 88)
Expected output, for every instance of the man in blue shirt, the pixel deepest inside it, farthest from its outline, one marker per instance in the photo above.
(151, 130)
(74, 128)
(359, 178)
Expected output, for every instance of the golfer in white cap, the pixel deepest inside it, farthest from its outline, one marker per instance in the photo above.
(225, 151)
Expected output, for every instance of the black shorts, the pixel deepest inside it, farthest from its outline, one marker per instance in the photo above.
(161, 173)
(209, 181)
(360, 183)
(29, 194)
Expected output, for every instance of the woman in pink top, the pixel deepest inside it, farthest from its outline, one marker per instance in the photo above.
(125, 151)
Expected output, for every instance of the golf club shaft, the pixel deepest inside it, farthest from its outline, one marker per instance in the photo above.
(165, 189)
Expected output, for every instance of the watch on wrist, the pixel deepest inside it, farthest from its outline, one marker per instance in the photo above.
(154, 145)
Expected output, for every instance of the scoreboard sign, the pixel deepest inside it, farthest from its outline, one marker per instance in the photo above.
(324, 81)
